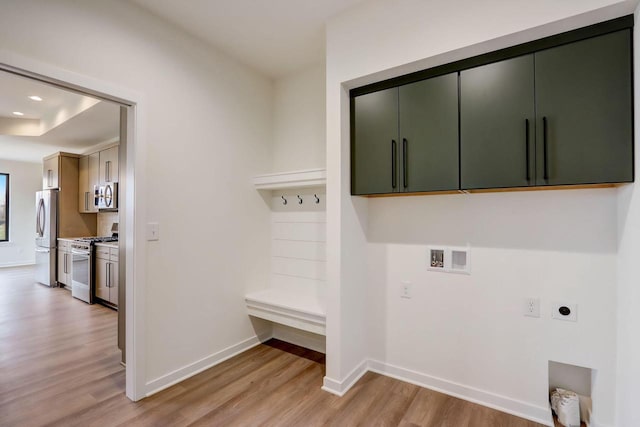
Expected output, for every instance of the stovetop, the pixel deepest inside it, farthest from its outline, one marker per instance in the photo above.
(97, 239)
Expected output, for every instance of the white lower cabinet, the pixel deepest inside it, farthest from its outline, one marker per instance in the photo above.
(64, 263)
(107, 274)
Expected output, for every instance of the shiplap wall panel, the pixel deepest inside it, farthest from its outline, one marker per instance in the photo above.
(298, 248)
(299, 268)
(311, 251)
(300, 231)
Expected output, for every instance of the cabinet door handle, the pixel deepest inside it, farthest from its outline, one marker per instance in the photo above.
(107, 171)
(64, 261)
(86, 201)
(405, 173)
(526, 147)
(49, 178)
(545, 146)
(394, 152)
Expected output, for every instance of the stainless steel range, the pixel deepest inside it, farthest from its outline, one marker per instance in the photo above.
(82, 286)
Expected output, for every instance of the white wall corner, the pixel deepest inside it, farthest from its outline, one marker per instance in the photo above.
(187, 371)
(515, 407)
(340, 388)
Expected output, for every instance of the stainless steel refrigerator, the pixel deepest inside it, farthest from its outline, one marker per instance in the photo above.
(46, 236)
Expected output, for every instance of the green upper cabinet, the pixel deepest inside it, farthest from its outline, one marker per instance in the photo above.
(429, 134)
(551, 112)
(584, 111)
(497, 119)
(406, 139)
(374, 145)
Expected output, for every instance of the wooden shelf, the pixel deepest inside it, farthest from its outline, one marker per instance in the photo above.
(293, 179)
(298, 311)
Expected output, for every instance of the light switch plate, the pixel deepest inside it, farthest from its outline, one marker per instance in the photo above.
(153, 231)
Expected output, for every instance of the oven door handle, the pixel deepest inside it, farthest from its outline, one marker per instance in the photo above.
(80, 253)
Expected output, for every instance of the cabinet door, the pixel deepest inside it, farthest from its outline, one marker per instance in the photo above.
(108, 165)
(83, 185)
(374, 143)
(584, 111)
(429, 134)
(113, 283)
(63, 268)
(102, 286)
(94, 180)
(50, 170)
(497, 124)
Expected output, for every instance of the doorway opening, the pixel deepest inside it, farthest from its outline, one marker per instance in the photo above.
(75, 128)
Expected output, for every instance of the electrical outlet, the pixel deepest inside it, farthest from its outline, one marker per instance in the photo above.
(532, 307)
(405, 290)
(564, 311)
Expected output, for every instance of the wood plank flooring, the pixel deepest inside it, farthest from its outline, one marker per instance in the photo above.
(59, 366)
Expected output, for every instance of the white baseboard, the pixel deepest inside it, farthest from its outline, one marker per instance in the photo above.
(339, 388)
(181, 374)
(299, 337)
(515, 407)
(16, 264)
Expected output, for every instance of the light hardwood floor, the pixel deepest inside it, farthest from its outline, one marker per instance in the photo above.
(59, 365)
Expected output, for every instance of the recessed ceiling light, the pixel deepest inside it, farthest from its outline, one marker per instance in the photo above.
(35, 98)
(18, 113)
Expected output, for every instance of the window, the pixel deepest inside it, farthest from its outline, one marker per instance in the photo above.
(4, 207)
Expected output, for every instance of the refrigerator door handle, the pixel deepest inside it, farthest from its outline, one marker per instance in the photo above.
(42, 251)
(41, 219)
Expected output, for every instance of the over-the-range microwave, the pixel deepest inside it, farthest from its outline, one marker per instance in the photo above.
(106, 196)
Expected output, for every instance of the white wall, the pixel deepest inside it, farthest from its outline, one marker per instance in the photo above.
(207, 129)
(24, 180)
(470, 330)
(299, 120)
(554, 245)
(628, 377)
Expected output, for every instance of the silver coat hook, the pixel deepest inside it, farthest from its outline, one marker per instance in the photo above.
(317, 199)
(284, 201)
(299, 200)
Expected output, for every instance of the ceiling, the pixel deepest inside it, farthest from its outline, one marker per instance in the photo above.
(62, 121)
(276, 37)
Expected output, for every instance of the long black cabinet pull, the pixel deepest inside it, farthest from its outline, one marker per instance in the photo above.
(545, 148)
(405, 174)
(526, 147)
(394, 152)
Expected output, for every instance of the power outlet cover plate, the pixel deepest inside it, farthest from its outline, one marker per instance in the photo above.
(531, 307)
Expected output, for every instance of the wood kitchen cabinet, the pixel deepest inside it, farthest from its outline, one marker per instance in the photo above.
(88, 178)
(108, 169)
(106, 274)
(71, 221)
(50, 171)
(406, 138)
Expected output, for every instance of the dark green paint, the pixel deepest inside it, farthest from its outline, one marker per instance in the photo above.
(496, 100)
(375, 122)
(429, 131)
(584, 90)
